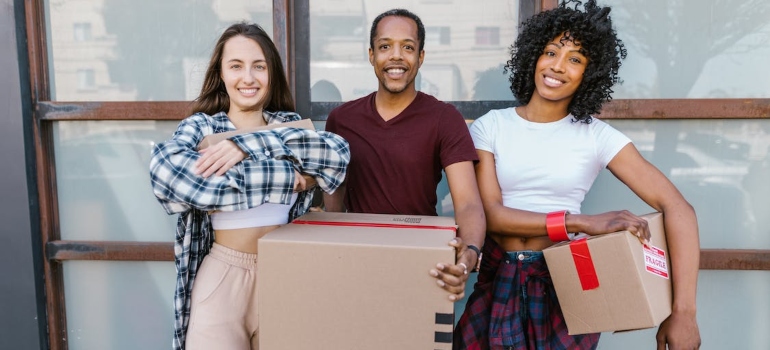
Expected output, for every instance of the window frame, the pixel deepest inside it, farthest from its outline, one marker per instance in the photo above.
(291, 35)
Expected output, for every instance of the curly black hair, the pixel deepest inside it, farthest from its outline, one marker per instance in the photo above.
(592, 29)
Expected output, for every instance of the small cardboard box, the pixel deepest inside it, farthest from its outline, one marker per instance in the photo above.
(355, 281)
(612, 282)
(214, 138)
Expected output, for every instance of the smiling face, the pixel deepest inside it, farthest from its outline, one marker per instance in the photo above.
(559, 70)
(244, 74)
(396, 56)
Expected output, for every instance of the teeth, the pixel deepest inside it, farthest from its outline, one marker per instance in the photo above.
(552, 80)
(248, 91)
(396, 70)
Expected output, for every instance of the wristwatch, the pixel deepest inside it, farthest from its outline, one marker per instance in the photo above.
(478, 253)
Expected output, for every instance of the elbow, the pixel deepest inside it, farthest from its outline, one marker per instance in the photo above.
(679, 206)
(493, 222)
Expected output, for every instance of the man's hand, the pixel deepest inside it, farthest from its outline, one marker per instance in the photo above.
(453, 277)
(218, 158)
(679, 331)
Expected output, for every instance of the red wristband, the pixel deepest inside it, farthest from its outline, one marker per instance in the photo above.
(556, 225)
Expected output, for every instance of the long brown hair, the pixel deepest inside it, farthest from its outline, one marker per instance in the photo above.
(213, 97)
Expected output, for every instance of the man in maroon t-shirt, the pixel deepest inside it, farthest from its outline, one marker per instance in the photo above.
(401, 139)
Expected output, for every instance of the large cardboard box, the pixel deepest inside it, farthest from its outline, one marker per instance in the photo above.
(214, 138)
(613, 282)
(355, 281)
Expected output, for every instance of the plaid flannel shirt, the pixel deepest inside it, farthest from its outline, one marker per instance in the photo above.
(265, 176)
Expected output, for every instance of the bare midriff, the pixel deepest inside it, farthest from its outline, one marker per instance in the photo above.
(243, 239)
(511, 244)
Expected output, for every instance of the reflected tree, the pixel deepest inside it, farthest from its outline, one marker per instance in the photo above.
(492, 85)
(682, 35)
(153, 37)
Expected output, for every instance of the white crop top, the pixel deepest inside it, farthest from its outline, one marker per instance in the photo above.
(545, 167)
(267, 214)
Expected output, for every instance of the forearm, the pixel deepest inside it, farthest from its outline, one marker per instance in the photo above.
(260, 145)
(335, 202)
(178, 187)
(684, 248)
(472, 224)
(506, 221)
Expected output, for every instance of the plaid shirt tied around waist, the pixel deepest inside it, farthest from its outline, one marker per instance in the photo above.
(514, 306)
(266, 175)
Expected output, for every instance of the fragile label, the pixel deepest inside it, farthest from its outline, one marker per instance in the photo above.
(655, 261)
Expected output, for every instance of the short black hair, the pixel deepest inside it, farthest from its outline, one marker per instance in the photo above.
(398, 13)
(592, 29)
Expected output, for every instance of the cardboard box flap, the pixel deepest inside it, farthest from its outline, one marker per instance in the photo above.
(214, 138)
(384, 219)
(368, 230)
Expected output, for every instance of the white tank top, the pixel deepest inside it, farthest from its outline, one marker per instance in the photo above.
(267, 214)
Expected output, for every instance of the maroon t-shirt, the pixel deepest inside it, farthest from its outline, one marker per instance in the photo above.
(395, 166)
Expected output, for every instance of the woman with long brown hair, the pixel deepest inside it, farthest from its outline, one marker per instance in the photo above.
(233, 192)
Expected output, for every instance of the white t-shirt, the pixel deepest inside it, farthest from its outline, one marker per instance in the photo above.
(545, 167)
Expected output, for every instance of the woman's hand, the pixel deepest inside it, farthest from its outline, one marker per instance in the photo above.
(679, 331)
(609, 222)
(300, 184)
(453, 277)
(218, 158)
(310, 181)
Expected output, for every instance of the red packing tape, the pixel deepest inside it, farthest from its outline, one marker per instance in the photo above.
(584, 264)
(370, 224)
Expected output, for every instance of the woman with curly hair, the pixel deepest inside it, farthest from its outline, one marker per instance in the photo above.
(536, 163)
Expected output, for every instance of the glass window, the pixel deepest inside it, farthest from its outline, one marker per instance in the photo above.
(693, 49)
(453, 70)
(437, 36)
(720, 166)
(103, 181)
(139, 50)
(119, 305)
(82, 31)
(487, 36)
(86, 79)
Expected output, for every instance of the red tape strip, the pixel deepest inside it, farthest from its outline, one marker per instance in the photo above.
(581, 255)
(370, 224)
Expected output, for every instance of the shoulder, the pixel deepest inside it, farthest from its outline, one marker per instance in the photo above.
(357, 104)
(494, 117)
(349, 112)
(600, 127)
(203, 122)
(424, 100)
(201, 117)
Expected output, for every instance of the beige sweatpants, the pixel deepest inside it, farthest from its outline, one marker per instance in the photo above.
(223, 313)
